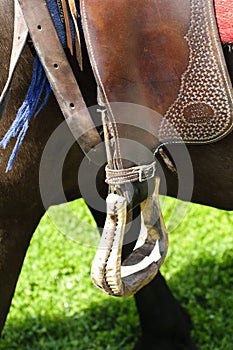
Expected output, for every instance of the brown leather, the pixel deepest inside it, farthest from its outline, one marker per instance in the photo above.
(59, 73)
(67, 25)
(165, 55)
(78, 48)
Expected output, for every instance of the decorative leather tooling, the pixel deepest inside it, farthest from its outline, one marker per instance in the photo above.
(202, 111)
(165, 55)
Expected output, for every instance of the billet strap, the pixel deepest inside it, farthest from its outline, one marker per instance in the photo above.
(59, 73)
(19, 40)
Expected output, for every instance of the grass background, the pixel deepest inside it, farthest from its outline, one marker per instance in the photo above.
(56, 307)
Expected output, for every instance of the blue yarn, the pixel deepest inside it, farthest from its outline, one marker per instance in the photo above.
(38, 88)
(30, 107)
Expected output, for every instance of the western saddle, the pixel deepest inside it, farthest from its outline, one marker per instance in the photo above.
(165, 58)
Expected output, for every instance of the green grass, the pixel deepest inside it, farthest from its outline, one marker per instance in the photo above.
(56, 307)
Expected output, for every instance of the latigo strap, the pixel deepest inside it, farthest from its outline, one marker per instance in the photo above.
(59, 73)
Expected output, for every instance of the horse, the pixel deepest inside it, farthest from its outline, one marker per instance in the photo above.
(22, 206)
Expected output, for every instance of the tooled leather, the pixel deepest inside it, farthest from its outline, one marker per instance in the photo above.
(203, 109)
(165, 55)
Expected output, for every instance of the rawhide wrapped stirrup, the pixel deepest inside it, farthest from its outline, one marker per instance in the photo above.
(124, 279)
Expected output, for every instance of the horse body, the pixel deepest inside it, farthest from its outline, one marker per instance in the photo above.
(212, 181)
(21, 207)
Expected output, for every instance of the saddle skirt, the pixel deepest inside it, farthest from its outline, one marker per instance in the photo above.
(165, 55)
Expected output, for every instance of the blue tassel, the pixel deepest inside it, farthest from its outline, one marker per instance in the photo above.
(29, 108)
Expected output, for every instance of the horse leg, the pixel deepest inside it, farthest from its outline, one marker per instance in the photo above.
(15, 236)
(165, 324)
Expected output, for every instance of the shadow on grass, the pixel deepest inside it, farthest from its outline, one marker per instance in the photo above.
(204, 288)
(109, 325)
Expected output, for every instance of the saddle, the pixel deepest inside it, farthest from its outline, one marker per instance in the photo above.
(165, 55)
(161, 78)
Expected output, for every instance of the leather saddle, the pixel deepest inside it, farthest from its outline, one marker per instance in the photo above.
(165, 55)
(161, 77)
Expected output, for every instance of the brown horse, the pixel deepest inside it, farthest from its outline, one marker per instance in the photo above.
(164, 322)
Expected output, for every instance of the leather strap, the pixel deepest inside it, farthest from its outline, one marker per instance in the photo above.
(139, 173)
(59, 73)
(19, 40)
(78, 47)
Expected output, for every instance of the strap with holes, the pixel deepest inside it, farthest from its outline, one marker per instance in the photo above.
(59, 73)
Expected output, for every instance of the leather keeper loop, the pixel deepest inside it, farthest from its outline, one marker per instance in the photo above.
(139, 173)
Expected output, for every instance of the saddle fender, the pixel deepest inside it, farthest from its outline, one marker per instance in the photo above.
(164, 55)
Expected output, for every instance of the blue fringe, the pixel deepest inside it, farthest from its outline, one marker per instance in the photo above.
(30, 107)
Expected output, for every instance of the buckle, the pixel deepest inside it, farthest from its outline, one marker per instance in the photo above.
(146, 172)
